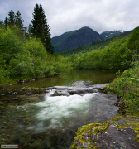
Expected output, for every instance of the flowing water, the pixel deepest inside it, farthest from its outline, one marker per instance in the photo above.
(50, 122)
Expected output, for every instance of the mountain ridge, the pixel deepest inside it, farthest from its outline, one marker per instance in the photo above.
(80, 38)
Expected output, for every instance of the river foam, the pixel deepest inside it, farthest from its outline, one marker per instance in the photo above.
(62, 106)
(59, 111)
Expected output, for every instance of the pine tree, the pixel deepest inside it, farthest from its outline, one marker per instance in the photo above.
(6, 22)
(40, 28)
(14, 19)
(18, 20)
(11, 18)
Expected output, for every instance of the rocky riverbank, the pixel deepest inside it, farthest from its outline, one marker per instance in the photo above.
(118, 132)
(71, 106)
(79, 87)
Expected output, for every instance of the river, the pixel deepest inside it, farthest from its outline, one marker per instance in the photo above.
(50, 122)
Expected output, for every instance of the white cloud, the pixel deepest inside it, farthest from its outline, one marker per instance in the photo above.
(68, 15)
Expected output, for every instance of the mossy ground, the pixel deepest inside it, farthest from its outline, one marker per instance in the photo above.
(87, 136)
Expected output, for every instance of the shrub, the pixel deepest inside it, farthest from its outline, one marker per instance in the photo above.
(30, 61)
(114, 56)
(127, 86)
(10, 44)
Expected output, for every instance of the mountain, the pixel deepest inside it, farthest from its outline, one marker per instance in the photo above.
(106, 35)
(85, 36)
(71, 41)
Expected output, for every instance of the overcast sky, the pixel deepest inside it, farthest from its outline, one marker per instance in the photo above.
(65, 15)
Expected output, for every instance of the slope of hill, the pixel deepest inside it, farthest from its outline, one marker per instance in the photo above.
(79, 39)
(75, 39)
(112, 55)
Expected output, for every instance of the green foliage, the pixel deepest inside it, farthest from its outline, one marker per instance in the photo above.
(90, 135)
(11, 18)
(27, 58)
(114, 56)
(18, 20)
(14, 20)
(127, 86)
(1, 23)
(86, 136)
(31, 61)
(39, 27)
(10, 44)
(133, 44)
(4, 76)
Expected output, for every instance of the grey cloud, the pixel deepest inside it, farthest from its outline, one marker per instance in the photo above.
(65, 15)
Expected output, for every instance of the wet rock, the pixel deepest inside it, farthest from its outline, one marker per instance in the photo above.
(103, 137)
(79, 87)
(117, 138)
(59, 93)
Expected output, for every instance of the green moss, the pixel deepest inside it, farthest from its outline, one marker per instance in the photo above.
(86, 136)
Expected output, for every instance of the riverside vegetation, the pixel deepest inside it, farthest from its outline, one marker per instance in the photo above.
(26, 57)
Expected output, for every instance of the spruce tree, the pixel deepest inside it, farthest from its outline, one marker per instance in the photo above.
(11, 18)
(14, 19)
(6, 22)
(40, 28)
(18, 20)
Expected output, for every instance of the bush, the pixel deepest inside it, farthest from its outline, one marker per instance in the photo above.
(10, 44)
(4, 76)
(133, 44)
(127, 86)
(30, 61)
(27, 58)
(114, 56)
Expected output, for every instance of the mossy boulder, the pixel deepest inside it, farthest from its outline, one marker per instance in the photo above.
(118, 132)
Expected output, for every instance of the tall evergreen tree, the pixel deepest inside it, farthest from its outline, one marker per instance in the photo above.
(11, 18)
(40, 28)
(18, 20)
(6, 22)
(14, 19)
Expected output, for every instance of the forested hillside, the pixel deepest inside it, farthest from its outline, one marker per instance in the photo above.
(127, 84)
(115, 55)
(27, 58)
